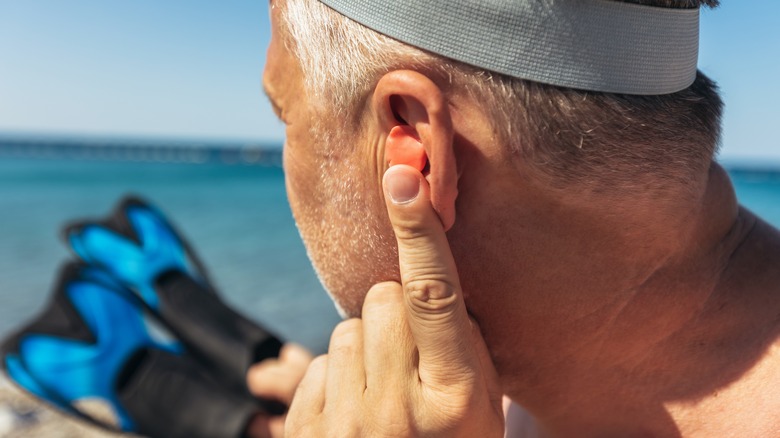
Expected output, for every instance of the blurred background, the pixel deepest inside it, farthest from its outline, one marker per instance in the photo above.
(163, 99)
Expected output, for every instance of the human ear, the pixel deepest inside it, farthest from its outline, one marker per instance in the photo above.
(413, 112)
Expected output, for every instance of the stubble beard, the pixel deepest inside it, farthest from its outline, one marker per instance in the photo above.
(341, 233)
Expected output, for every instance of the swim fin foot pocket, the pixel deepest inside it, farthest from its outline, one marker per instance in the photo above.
(158, 382)
(221, 337)
(138, 246)
(94, 353)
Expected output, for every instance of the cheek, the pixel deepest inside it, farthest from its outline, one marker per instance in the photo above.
(301, 171)
(308, 206)
(342, 223)
(323, 181)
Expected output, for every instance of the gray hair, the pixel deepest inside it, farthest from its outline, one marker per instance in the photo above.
(573, 138)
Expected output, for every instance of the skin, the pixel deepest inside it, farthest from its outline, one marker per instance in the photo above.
(605, 314)
(276, 379)
(397, 371)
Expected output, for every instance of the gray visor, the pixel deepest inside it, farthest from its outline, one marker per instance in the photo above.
(596, 45)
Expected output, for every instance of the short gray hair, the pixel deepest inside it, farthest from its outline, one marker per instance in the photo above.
(573, 138)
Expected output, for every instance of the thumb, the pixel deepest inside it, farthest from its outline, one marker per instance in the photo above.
(434, 303)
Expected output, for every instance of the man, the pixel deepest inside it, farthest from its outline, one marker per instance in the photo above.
(620, 289)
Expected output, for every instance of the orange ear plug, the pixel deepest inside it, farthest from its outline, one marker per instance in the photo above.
(403, 147)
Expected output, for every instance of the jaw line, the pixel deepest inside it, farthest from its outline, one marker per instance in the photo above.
(342, 313)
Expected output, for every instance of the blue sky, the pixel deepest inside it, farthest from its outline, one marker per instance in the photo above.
(191, 69)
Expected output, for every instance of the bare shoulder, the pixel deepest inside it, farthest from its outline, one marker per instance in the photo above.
(747, 399)
(747, 406)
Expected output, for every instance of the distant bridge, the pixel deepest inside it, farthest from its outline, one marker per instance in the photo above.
(142, 151)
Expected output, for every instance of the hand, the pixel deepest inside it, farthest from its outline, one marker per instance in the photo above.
(415, 364)
(276, 379)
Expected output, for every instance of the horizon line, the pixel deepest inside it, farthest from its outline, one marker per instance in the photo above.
(141, 139)
(731, 162)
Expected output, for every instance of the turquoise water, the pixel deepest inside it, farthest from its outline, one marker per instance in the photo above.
(759, 191)
(237, 216)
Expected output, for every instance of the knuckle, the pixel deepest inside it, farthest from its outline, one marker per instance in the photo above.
(383, 294)
(347, 330)
(346, 335)
(429, 295)
(409, 230)
(319, 364)
(316, 371)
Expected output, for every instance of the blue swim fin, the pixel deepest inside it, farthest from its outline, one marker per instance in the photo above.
(139, 247)
(92, 354)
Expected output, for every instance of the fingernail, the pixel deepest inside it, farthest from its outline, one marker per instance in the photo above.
(403, 186)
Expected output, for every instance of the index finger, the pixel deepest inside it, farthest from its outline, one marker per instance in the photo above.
(435, 308)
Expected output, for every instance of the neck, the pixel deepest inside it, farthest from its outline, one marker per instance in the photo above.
(593, 310)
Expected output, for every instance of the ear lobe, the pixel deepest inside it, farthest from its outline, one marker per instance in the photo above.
(404, 147)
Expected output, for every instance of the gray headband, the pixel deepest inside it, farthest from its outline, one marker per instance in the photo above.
(595, 45)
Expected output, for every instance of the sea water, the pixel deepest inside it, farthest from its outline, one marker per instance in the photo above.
(236, 216)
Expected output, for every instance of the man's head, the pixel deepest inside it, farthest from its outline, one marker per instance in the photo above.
(355, 99)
